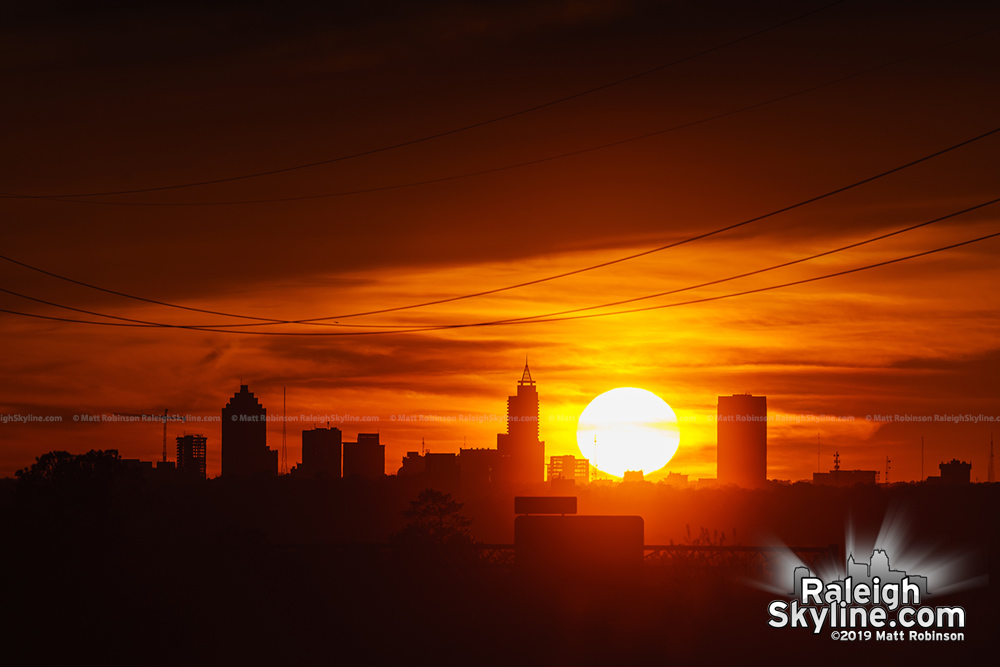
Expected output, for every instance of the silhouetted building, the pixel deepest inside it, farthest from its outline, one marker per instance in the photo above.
(364, 458)
(159, 472)
(435, 471)
(413, 464)
(742, 440)
(321, 453)
(244, 438)
(845, 477)
(477, 468)
(192, 453)
(522, 454)
(569, 468)
(633, 476)
(676, 479)
(956, 472)
(555, 551)
(143, 467)
(165, 471)
(838, 477)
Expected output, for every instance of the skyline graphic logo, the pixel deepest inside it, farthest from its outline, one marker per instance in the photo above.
(871, 602)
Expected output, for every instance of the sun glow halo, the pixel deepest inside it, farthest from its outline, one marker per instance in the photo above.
(635, 430)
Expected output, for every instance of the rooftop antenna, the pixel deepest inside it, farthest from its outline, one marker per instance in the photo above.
(887, 468)
(423, 448)
(836, 462)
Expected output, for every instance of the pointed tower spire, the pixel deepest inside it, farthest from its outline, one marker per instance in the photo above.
(526, 375)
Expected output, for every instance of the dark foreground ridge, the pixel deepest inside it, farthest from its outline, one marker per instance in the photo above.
(101, 561)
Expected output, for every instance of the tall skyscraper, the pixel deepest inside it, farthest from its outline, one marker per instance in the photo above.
(742, 440)
(364, 458)
(244, 438)
(191, 456)
(321, 453)
(522, 454)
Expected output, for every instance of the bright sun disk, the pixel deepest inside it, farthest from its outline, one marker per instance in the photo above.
(635, 430)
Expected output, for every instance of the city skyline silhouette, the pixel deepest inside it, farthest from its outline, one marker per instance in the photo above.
(302, 304)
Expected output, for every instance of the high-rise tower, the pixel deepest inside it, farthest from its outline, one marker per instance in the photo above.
(244, 438)
(191, 455)
(522, 454)
(742, 440)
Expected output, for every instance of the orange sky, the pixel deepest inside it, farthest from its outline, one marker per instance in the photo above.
(137, 100)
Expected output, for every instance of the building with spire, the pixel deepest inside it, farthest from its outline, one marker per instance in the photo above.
(244, 438)
(522, 454)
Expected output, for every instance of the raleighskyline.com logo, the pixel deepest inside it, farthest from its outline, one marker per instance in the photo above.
(873, 602)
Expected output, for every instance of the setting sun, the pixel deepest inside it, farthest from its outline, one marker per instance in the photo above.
(628, 429)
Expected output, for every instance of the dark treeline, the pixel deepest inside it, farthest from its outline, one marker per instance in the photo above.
(102, 560)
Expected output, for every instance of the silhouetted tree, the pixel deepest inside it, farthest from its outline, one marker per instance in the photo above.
(77, 488)
(434, 519)
(63, 467)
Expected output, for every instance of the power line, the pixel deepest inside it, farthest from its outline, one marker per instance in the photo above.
(507, 167)
(528, 321)
(674, 244)
(530, 282)
(196, 327)
(775, 267)
(645, 297)
(133, 296)
(446, 133)
(772, 287)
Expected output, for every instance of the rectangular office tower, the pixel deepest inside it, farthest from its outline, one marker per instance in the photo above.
(321, 453)
(742, 440)
(191, 455)
(364, 458)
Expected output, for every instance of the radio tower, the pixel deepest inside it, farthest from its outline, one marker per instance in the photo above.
(887, 468)
(284, 425)
(989, 475)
